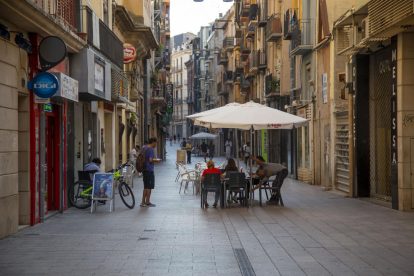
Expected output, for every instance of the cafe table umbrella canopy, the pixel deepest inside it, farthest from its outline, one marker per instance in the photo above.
(229, 106)
(203, 135)
(250, 115)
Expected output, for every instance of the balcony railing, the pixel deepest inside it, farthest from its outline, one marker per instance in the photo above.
(228, 77)
(63, 11)
(273, 28)
(263, 13)
(302, 42)
(253, 62)
(272, 89)
(178, 101)
(239, 63)
(245, 47)
(290, 19)
(177, 117)
(188, 100)
(262, 59)
(253, 15)
(222, 59)
(228, 43)
(109, 44)
(244, 84)
(245, 8)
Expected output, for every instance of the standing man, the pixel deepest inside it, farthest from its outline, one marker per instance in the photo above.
(247, 151)
(167, 136)
(178, 137)
(204, 150)
(265, 171)
(149, 178)
(183, 144)
(171, 141)
(188, 148)
(228, 146)
(175, 138)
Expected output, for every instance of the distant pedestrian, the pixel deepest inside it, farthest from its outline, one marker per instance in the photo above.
(247, 151)
(167, 136)
(211, 149)
(204, 150)
(134, 155)
(149, 178)
(183, 144)
(175, 138)
(228, 146)
(179, 138)
(241, 150)
(188, 148)
(171, 139)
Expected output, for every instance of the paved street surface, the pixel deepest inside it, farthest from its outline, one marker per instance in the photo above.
(316, 233)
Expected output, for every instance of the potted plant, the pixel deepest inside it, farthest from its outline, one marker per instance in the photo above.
(274, 85)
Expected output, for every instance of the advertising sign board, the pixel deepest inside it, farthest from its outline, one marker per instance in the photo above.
(69, 88)
(129, 53)
(44, 85)
(103, 186)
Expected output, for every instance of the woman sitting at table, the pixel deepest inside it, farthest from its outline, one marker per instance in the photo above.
(211, 169)
(231, 167)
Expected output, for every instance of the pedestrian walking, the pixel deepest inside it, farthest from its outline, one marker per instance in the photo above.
(171, 139)
(204, 150)
(211, 149)
(149, 177)
(183, 144)
(267, 170)
(241, 150)
(179, 138)
(247, 152)
(167, 136)
(228, 146)
(188, 148)
(134, 155)
(175, 138)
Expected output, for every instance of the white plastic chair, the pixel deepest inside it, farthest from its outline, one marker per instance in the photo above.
(187, 176)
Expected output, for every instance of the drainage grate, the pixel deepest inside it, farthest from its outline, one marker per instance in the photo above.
(146, 230)
(244, 263)
(142, 239)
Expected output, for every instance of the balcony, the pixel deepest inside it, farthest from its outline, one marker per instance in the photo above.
(222, 59)
(245, 47)
(253, 15)
(272, 87)
(158, 96)
(274, 28)
(228, 77)
(178, 84)
(244, 84)
(178, 101)
(177, 118)
(290, 20)
(189, 100)
(302, 42)
(262, 14)
(253, 63)
(239, 64)
(262, 60)
(245, 8)
(251, 31)
(228, 44)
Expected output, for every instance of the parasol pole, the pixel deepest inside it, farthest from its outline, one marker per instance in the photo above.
(237, 144)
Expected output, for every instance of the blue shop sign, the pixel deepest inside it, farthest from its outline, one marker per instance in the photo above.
(44, 85)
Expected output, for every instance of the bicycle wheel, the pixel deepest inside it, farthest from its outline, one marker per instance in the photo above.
(75, 194)
(127, 195)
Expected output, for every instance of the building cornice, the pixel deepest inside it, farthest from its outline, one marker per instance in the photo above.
(139, 35)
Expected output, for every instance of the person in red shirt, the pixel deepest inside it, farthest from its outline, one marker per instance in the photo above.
(211, 169)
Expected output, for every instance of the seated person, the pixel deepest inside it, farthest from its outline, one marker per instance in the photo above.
(211, 169)
(266, 171)
(93, 167)
(231, 167)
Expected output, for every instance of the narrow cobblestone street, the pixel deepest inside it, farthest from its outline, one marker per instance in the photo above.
(316, 233)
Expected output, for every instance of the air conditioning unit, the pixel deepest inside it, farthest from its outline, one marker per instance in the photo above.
(365, 27)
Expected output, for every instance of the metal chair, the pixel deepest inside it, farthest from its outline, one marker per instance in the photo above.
(186, 176)
(212, 182)
(86, 175)
(237, 183)
(268, 187)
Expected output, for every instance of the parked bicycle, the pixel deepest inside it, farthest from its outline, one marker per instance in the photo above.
(80, 193)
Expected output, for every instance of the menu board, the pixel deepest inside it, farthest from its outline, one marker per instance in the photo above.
(181, 156)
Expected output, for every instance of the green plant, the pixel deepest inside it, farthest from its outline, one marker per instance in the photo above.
(133, 119)
(274, 84)
(153, 79)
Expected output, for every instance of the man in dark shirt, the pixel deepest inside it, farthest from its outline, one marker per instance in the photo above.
(204, 150)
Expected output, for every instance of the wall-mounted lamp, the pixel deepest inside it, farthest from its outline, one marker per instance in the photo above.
(20, 39)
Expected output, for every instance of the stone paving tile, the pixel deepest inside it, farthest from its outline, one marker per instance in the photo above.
(316, 233)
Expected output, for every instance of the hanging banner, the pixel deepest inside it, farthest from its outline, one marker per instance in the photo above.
(170, 98)
(265, 143)
(325, 88)
(394, 148)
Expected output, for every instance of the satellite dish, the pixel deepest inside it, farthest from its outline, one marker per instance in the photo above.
(52, 51)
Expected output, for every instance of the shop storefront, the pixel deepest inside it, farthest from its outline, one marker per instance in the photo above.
(48, 151)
